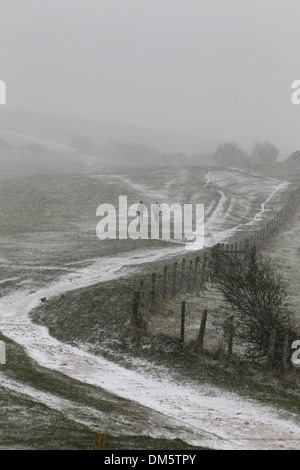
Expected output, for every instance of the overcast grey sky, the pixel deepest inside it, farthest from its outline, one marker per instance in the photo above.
(218, 69)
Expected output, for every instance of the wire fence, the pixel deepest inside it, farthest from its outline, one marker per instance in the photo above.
(190, 273)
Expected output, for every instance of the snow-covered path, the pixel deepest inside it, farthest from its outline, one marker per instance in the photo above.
(214, 418)
(263, 205)
(220, 420)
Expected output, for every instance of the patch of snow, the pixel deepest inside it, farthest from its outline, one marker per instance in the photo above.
(230, 421)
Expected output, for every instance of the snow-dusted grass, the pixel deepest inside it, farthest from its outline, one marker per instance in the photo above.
(43, 409)
(285, 252)
(50, 224)
(206, 410)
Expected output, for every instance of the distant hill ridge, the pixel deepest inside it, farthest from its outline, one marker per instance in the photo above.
(62, 129)
(34, 143)
(294, 157)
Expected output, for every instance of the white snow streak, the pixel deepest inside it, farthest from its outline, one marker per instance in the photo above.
(236, 421)
(230, 421)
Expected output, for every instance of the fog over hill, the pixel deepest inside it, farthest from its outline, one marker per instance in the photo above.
(62, 129)
(36, 143)
(33, 143)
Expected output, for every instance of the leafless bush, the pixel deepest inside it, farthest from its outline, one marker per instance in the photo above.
(259, 298)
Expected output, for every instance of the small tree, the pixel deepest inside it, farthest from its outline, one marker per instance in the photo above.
(264, 153)
(228, 153)
(259, 298)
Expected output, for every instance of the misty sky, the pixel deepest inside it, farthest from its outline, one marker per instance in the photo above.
(218, 69)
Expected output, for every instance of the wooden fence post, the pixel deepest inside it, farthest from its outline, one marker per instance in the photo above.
(142, 292)
(196, 270)
(285, 352)
(101, 441)
(165, 281)
(153, 290)
(230, 336)
(182, 273)
(271, 351)
(202, 330)
(204, 266)
(189, 276)
(174, 278)
(182, 321)
(216, 258)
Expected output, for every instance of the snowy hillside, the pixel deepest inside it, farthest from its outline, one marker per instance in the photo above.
(49, 247)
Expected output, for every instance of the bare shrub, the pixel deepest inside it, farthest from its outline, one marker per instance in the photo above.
(258, 297)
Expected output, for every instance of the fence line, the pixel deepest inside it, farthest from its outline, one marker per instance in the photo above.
(191, 272)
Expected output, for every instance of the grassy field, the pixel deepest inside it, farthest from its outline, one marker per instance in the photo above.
(45, 410)
(48, 233)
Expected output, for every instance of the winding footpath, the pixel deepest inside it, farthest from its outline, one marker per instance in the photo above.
(210, 416)
(216, 419)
